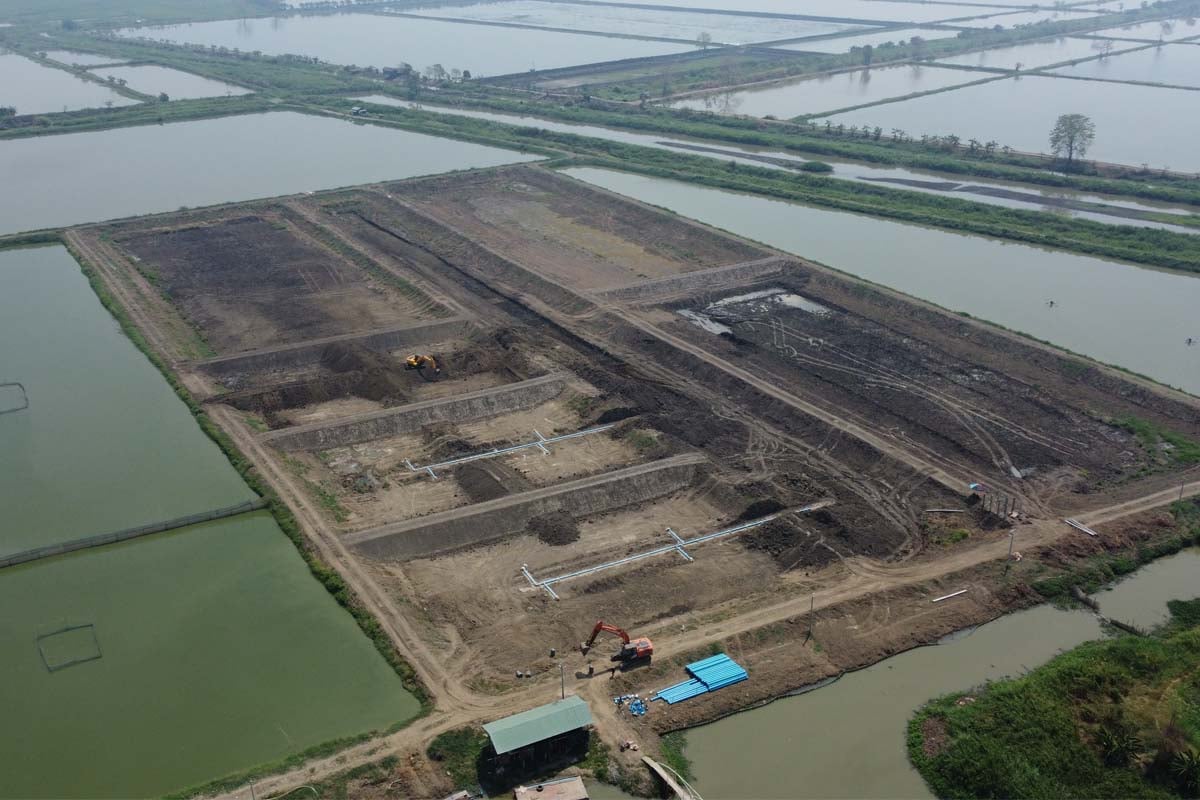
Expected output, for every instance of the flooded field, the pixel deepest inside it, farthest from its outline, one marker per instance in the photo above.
(1019, 113)
(860, 752)
(386, 41)
(33, 89)
(177, 85)
(1005, 283)
(830, 92)
(1175, 64)
(1034, 54)
(683, 25)
(142, 668)
(244, 157)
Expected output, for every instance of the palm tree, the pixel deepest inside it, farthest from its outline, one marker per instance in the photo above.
(1185, 766)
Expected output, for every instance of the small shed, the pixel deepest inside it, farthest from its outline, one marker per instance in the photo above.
(540, 737)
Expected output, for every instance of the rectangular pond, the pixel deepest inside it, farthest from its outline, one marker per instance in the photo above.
(379, 40)
(828, 93)
(178, 85)
(871, 10)
(35, 89)
(1033, 54)
(1134, 124)
(1012, 19)
(70, 57)
(157, 168)
(94, 400)
(684, 25)
(1155, 30)
(1117, 313)
(136, 669)
(1175, 64)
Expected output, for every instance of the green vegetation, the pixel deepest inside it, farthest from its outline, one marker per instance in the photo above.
(1161, 442)
(96, 119)
(1117, 718)
(953, 537)
(326, 575)
(640, 440)
(672, 746)
(458, 752)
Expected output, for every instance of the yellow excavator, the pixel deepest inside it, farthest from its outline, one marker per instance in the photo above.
(421, 363)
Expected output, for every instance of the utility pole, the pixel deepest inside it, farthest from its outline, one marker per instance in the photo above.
(562, 679)
(1012, 535)
(812, 606)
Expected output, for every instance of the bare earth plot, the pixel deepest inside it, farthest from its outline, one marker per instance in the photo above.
(716, 383)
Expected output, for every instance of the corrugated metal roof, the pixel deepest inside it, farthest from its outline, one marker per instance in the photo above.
(537, 724)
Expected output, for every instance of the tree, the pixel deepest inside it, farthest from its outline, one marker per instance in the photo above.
(868, 54)
(704, 40)
(1072, 135)
(8, 111)
(436, 72)
(163, 97)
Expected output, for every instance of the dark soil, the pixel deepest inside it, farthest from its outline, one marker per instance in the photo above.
(489, 480)
(760, 508)
(616, 415)
(556, 529)
(253, 282)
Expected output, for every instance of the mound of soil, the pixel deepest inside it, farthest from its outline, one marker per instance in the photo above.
(479, 484)
(556, 528)
(788, 545)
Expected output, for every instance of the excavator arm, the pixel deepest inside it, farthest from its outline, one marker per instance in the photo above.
(631, 649)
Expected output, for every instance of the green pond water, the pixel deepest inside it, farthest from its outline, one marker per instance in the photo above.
(217, 649)
(847, 740)
(105, 443)
(1117, 313)
(158, 168)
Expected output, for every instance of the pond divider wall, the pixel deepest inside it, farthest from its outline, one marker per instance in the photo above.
(495, 519)
(410, 418)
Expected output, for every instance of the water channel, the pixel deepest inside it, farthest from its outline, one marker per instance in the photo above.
(1117, 313)
(32, 88)
(197, 653)
(847, 740)
(156, 168)
(1040, 198)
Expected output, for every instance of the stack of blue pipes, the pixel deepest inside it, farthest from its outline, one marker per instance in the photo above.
(708, 675)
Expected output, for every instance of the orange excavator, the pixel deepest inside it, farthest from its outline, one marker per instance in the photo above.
(640, 649)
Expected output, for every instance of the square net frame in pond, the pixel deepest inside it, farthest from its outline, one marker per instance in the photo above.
(69, 646)
(13, 397)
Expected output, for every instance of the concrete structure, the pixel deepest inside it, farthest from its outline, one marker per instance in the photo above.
(561, 789)
(308, 353)
(495, 519)
(415, 416)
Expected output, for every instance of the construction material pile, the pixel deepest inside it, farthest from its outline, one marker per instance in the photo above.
(708, 675)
